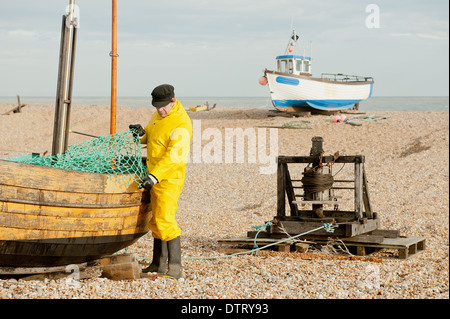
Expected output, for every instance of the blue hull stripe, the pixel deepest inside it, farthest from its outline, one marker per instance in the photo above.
(317, 104)
(289, 81)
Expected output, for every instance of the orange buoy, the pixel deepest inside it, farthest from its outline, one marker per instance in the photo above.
(263, 80)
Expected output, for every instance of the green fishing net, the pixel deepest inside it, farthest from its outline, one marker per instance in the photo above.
(117, 155)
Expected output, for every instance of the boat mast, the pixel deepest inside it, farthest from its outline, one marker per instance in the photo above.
(292, 41)
(65, 81)
(114, 68)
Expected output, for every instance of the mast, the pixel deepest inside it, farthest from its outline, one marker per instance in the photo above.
(65, 81)
(114, 68)
(292, 42)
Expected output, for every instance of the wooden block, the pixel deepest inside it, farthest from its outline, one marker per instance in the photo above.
(118, 259)
(360, 251)
(284, 248)
(403, 253)
(386, 233)
(295, 227)
(122, 271)
(364, 239)
(358, 228)
(262, 234)
(412, 249)
(301, 247)
(421, 245)
(120, 267)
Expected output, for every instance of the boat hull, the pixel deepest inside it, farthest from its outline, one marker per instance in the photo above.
(304, 93)
(54, 252)
(53, 217)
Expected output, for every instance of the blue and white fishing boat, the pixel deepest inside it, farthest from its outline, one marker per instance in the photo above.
(294, 89)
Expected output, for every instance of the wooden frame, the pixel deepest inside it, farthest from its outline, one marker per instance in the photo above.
(295, 221)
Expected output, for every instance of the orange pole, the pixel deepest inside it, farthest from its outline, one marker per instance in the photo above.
(114, 68)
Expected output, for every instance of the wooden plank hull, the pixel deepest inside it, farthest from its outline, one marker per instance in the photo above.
(53, 217)
(52, 252)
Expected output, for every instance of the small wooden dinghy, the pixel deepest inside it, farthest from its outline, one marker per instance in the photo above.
(53, 217)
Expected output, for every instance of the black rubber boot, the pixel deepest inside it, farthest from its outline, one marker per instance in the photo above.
(159, 261)
(174, 249)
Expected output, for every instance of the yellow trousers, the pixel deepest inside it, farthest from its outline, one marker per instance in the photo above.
(164, 201)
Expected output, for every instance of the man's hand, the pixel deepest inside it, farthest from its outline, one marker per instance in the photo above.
(149, 182)
(137, 128)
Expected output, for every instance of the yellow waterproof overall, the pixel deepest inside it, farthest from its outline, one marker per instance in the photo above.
(167, 142)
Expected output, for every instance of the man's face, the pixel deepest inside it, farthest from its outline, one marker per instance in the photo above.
(163, 111)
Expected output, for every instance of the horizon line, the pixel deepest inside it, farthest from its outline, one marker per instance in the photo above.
(196, 96)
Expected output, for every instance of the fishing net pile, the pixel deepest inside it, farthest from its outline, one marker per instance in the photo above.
(118, 155)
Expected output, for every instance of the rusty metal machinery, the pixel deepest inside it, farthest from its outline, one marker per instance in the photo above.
(319, 188)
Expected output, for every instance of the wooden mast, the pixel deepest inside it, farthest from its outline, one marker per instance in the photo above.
(114, 68)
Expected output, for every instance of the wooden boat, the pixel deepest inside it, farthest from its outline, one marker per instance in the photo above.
(198, 108)
(294, 89)
(53, 217)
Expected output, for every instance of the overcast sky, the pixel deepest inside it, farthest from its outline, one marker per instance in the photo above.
(221, 47)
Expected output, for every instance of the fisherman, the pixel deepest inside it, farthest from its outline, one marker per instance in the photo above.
(167, 136)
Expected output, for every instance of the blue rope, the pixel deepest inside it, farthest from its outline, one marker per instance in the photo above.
(261, 228)
(328, 227)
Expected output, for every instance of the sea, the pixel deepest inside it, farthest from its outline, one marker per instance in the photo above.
(386, 103)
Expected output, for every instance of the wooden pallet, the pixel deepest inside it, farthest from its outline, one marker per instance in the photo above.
(402, 247)
(364, 245)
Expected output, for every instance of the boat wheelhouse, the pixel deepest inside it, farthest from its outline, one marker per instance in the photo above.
(294, 64)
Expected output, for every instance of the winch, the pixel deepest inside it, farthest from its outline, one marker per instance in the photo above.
(319, 188)
(307, 187)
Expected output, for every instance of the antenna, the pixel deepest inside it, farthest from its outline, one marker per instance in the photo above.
(292, 41)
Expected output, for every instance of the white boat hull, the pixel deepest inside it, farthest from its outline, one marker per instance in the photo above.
(304, 92)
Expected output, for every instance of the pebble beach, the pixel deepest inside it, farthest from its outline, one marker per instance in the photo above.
(407, 167)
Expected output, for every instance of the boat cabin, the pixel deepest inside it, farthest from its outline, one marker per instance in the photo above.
(294, 64)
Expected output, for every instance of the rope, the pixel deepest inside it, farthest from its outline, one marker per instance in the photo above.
(315, 183)
(261, 228)
(328, 227)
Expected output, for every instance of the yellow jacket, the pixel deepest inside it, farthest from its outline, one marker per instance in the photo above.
(168, 141)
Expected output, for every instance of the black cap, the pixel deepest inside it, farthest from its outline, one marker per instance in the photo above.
(162, 95)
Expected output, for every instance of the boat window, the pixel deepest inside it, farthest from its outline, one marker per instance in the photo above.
(282, 66)
(291, 67)
(307, 66)
(299, 66)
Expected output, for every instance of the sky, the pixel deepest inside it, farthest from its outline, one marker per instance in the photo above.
(221, 47)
